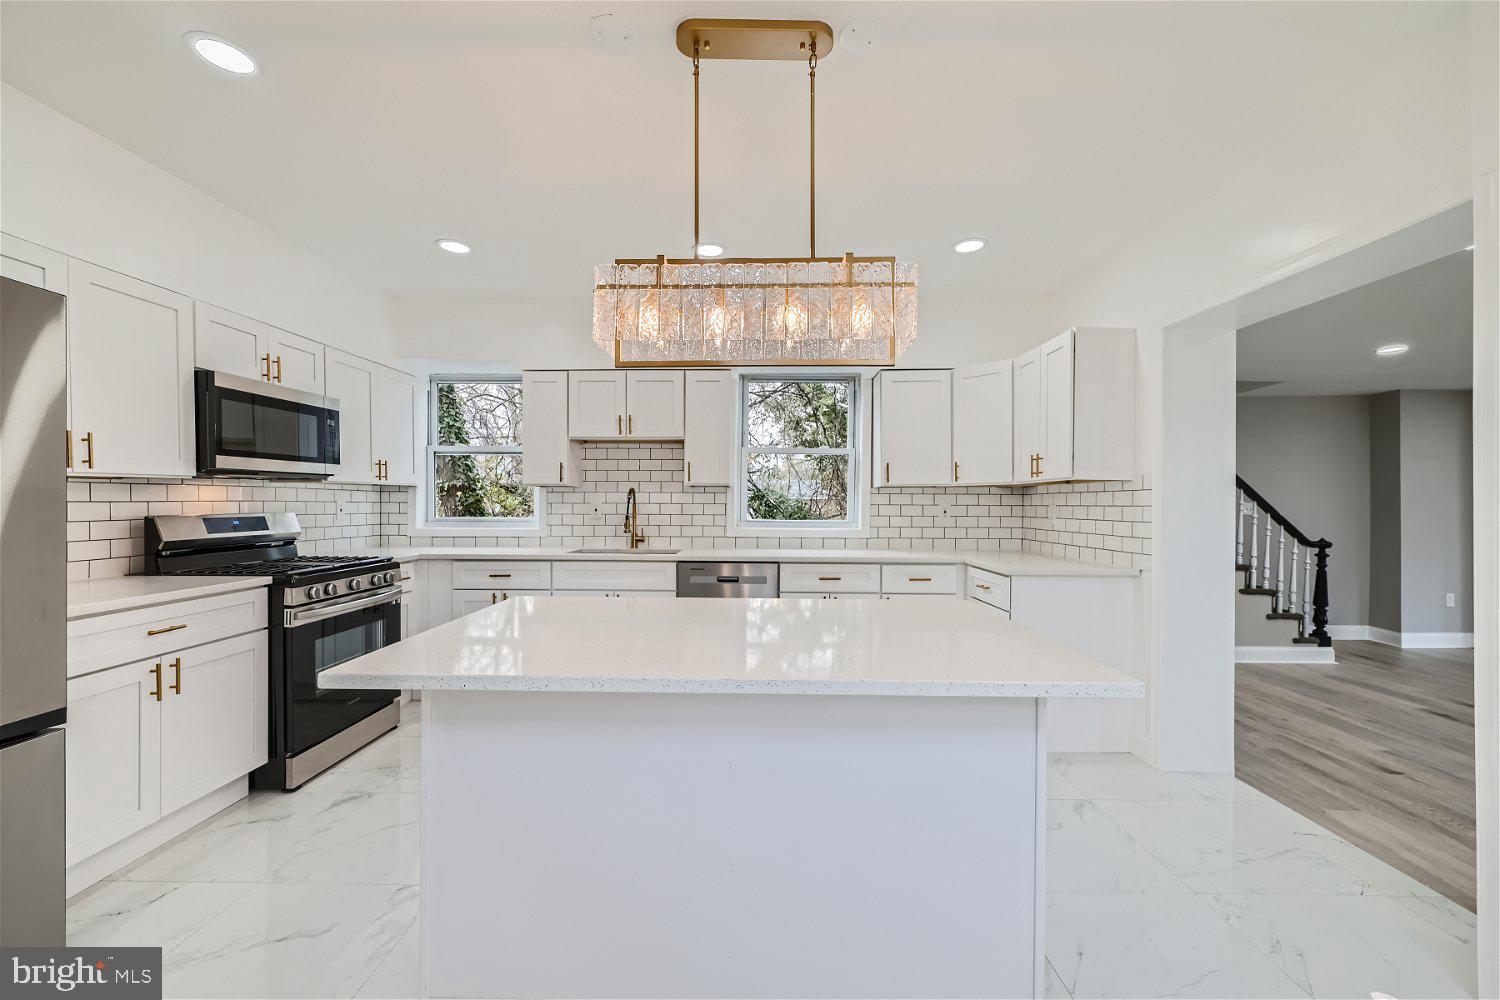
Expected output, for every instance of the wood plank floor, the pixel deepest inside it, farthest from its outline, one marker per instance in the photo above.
(1378, 748)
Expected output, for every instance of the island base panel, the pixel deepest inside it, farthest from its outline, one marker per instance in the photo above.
(671, 845)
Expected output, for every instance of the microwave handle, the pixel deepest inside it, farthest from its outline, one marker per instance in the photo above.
(307, 616)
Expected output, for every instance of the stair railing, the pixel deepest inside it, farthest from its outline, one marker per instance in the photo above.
(1267, 544)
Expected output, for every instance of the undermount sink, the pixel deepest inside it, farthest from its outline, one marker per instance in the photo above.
(623, 552)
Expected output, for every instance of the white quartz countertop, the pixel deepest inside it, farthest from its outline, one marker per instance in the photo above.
(122, 593)
(1005, 563)
(736, 646)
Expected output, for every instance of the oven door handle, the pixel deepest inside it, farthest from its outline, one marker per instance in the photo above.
(307, 616)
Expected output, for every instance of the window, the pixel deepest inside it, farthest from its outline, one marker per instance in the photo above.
(475, 454)
(796, 463)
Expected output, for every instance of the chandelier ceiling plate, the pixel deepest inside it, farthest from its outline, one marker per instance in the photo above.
(736, 38)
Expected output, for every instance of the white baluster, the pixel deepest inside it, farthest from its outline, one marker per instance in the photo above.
(1265, 567)
(1279, 601)
(1292, 605)
(1307, 591)
(1239, 528)
(1254, 543)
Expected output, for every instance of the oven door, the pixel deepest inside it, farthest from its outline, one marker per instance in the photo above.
(323, 636)
(247, 427)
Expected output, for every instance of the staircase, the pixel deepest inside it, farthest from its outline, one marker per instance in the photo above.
(1282, 578)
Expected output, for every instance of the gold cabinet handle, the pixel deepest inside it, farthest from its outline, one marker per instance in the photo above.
(830, 578)
(265, 359)
(177, 676)
(888, 472)
(1039, 470)
(88, 439)
(955, 472)
(690, 472)
(619, 424)
(163, 631)
(559, 471)
(630, 424)
(156, 672)
(499, 576)
(278, 368)
(70, 448)
(919, 579)
(493, 597)
(982, 586)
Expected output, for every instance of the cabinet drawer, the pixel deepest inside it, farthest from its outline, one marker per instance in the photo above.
(473, 574)
(991, 588)
(112, 639)
(612, 576)
(830, 578)
(813, 595)
(919, 579)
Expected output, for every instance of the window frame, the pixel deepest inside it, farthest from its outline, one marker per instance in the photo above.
(427, 520)
(855, 525)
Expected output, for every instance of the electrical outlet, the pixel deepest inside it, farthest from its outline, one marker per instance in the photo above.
(1452, 600)
(594, 516)
(343, 509)
(945, 517)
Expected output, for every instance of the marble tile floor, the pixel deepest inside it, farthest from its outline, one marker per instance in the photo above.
(1160, 884)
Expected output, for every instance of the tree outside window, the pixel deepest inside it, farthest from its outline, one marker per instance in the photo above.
(797, 450)
(476, 451)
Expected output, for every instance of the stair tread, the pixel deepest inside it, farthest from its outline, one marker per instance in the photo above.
(1291, 616)
(1265, 591)
(1306, 639)
(1242, 567)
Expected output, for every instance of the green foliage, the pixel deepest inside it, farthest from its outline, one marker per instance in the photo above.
(797, 414)
(477, 485)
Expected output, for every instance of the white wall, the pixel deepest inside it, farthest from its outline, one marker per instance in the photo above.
(1394, 150)
(70, 189)
(510, 334)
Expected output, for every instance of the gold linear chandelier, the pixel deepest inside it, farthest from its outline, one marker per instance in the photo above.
(673, 312)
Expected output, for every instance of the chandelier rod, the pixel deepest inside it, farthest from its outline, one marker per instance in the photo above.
(812, 148)
(695, 149)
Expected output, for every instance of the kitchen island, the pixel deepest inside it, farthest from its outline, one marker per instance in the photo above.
(637, 797)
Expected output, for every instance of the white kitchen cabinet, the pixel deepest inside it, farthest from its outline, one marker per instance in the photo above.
(829, 578)
(829, 596)
(227, 342)
(939, 580)
(548, 456)
(113, 754)
(466, 602)
(914, 428)
(614, 593)
(485, 574)
(213, 717)
(596, 404)
(653, 404)
(32, 264)
(989, 588)
(616, 575)
(625, 406)
(982, 415)
(1074, 407)
(395, 399)
(350, 381)
(130, 376)
(708, 422)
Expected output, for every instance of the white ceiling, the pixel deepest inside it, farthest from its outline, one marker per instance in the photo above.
(1327, 347)
(1059, 131)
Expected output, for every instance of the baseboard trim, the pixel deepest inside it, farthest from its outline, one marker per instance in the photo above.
(1301, 653)
(1404, 640)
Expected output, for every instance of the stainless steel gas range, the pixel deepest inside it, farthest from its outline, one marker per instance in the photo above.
(325, 610)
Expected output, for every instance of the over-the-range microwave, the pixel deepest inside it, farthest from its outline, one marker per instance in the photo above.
(247, 427)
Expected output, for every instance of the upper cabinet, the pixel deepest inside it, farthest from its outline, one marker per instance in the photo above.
(130, 376)
(610, 404)
(708, 405)
(226, 342)
(32, 264)
(982, 439)
(378, 413)
(914, 428)
(1074, 408)
(548, 457)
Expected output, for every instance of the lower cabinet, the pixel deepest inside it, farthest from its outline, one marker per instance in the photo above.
(466, 602)
(147, 738)
(614, 593)
(831, 597)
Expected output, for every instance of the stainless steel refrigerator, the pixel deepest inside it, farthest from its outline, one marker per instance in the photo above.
(33, 614)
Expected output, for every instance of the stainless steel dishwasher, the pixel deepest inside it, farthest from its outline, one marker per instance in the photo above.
(728, 579)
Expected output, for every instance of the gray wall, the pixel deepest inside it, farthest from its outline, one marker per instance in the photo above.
(1437, 511)
(1309, 456)
(1385, 511)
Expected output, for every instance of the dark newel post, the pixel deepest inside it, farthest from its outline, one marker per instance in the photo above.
(1320, 596)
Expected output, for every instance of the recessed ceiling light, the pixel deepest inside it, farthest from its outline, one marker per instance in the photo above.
(453, 246)
(220, 53)
(1391, 350)
(710, 250)
(969, 245)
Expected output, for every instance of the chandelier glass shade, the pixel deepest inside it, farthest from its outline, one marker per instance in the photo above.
(845, 311)
(764, 311)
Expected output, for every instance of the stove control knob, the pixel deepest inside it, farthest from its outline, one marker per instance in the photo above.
(380, 579)
(356, 583)
(314, 592)
(330, 590)
(390, 576)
